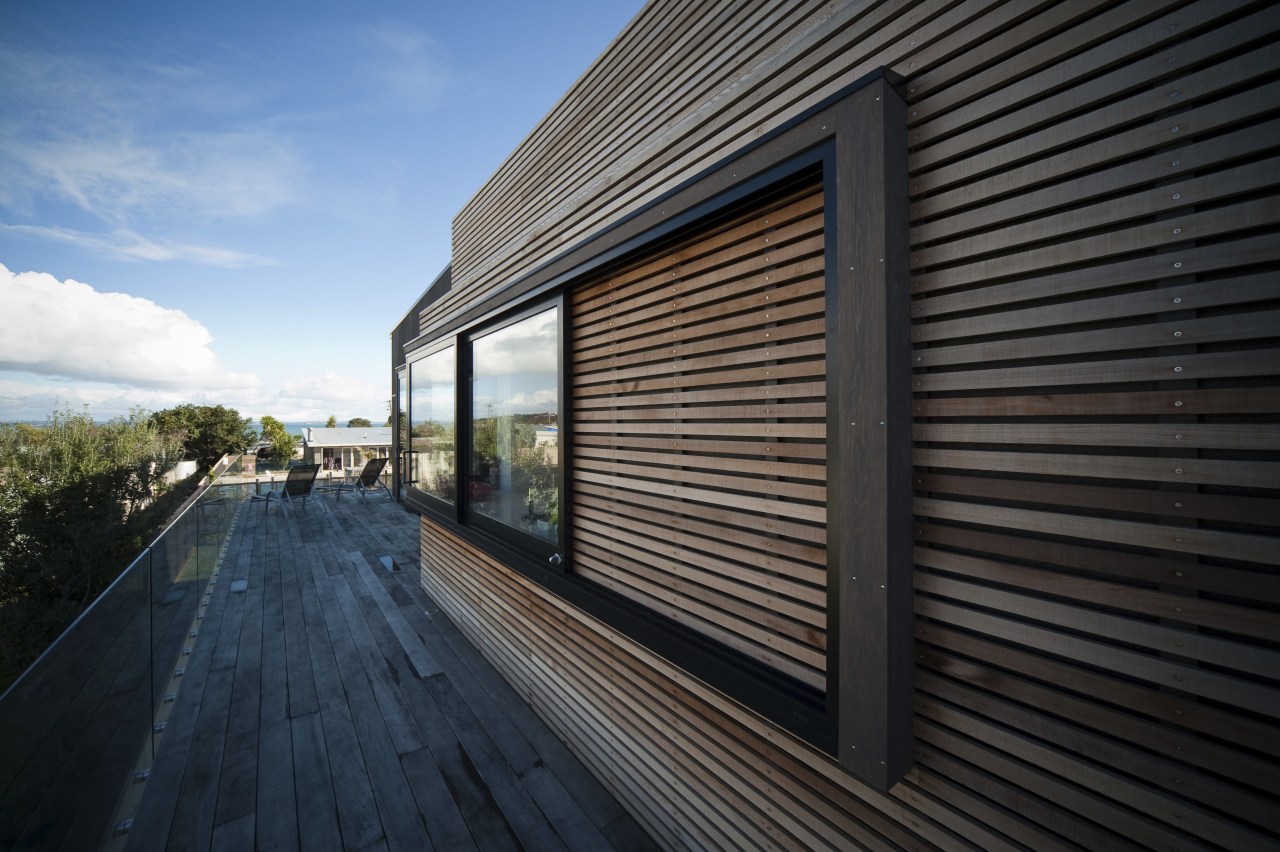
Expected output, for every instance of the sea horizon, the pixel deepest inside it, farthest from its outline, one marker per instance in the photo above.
(292, 427)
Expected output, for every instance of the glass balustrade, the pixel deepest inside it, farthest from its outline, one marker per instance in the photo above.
(79, 729)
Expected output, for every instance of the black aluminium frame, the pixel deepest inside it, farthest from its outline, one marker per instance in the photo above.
(856, 139)
(458, 512)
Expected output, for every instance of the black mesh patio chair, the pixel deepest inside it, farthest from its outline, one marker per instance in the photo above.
(370, 479)
(297, 486)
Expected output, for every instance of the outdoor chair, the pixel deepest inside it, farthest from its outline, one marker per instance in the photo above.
(297, 486)
(370, 479)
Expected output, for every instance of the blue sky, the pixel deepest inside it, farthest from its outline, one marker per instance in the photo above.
(233, 203)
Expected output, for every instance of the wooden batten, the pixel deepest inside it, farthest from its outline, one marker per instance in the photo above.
(1006, 346)
(706, 315)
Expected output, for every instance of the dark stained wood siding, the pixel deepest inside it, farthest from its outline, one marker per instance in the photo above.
(1096, 400)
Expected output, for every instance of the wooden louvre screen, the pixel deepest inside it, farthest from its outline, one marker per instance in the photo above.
(699, 429)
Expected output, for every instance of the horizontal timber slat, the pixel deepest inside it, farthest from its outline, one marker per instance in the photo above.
(1228, 618)
(1214, 222)
(1040, 104)
(1231, 74)
(764, 331)
(1209, 294)
(756, 308)
(1219, 329)
(809, 369)
(758, 466)
(1210, 365)
(1155, 638)
(717, 521)
(808, 349)
(660, 324)
(1148, 202)
(1197, 260)
(753, 484)
(771, 431)
(708, 412)
(789, 390)
(1262, 400)
(1171, 470)
(754, 623)
(733, 632)
(761, 505)
(1115, 498)
(1181, 576)
(801, 601)
(1053, 167)
(1254, 139)
(1223, 545)
(1163, 671)
(1183, 717)
(1224, 436)
(1087, 708)
(805, 582)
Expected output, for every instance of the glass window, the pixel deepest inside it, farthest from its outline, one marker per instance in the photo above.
(514, 471)
(432, 407)
(401, 438)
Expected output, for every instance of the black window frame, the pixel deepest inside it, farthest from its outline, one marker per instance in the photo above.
(413, 493)
(540, 549)
(856, 140)
(514, 544)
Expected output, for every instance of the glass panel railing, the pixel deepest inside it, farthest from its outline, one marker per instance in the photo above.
(83, 721)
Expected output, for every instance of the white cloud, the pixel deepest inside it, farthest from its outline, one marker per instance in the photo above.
(124, 244)
(316, 397)
(405, 66)
(68, 329)
(116, 177)
(128, 141)
(24, 400)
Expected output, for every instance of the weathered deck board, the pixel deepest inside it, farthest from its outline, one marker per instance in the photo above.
(331, 706)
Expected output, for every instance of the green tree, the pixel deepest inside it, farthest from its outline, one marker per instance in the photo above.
(209, 431)
(331, 423)
(484, 444)
(282, 443)
(74, 499)
(358, 421)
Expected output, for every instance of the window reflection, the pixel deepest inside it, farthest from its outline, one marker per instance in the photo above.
(403, 447)
(433, 465)
(515, 434)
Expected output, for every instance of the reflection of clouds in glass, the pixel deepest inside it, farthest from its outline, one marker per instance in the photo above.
(492, 402)
(434, 404)
(528, 346)
(432, 388)
(538, 400)
(435, 369)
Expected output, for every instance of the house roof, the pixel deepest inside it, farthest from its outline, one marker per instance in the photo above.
(360, 436)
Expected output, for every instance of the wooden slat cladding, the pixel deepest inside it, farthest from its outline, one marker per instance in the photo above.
(1095, 292)
(1095, 234)
(699, 425)
(698, 771)
(667, 100)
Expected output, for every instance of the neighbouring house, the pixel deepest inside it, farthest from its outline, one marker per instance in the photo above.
(345, 448)
(854, 424)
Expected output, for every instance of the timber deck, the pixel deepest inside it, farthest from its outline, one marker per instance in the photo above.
(329, 705)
